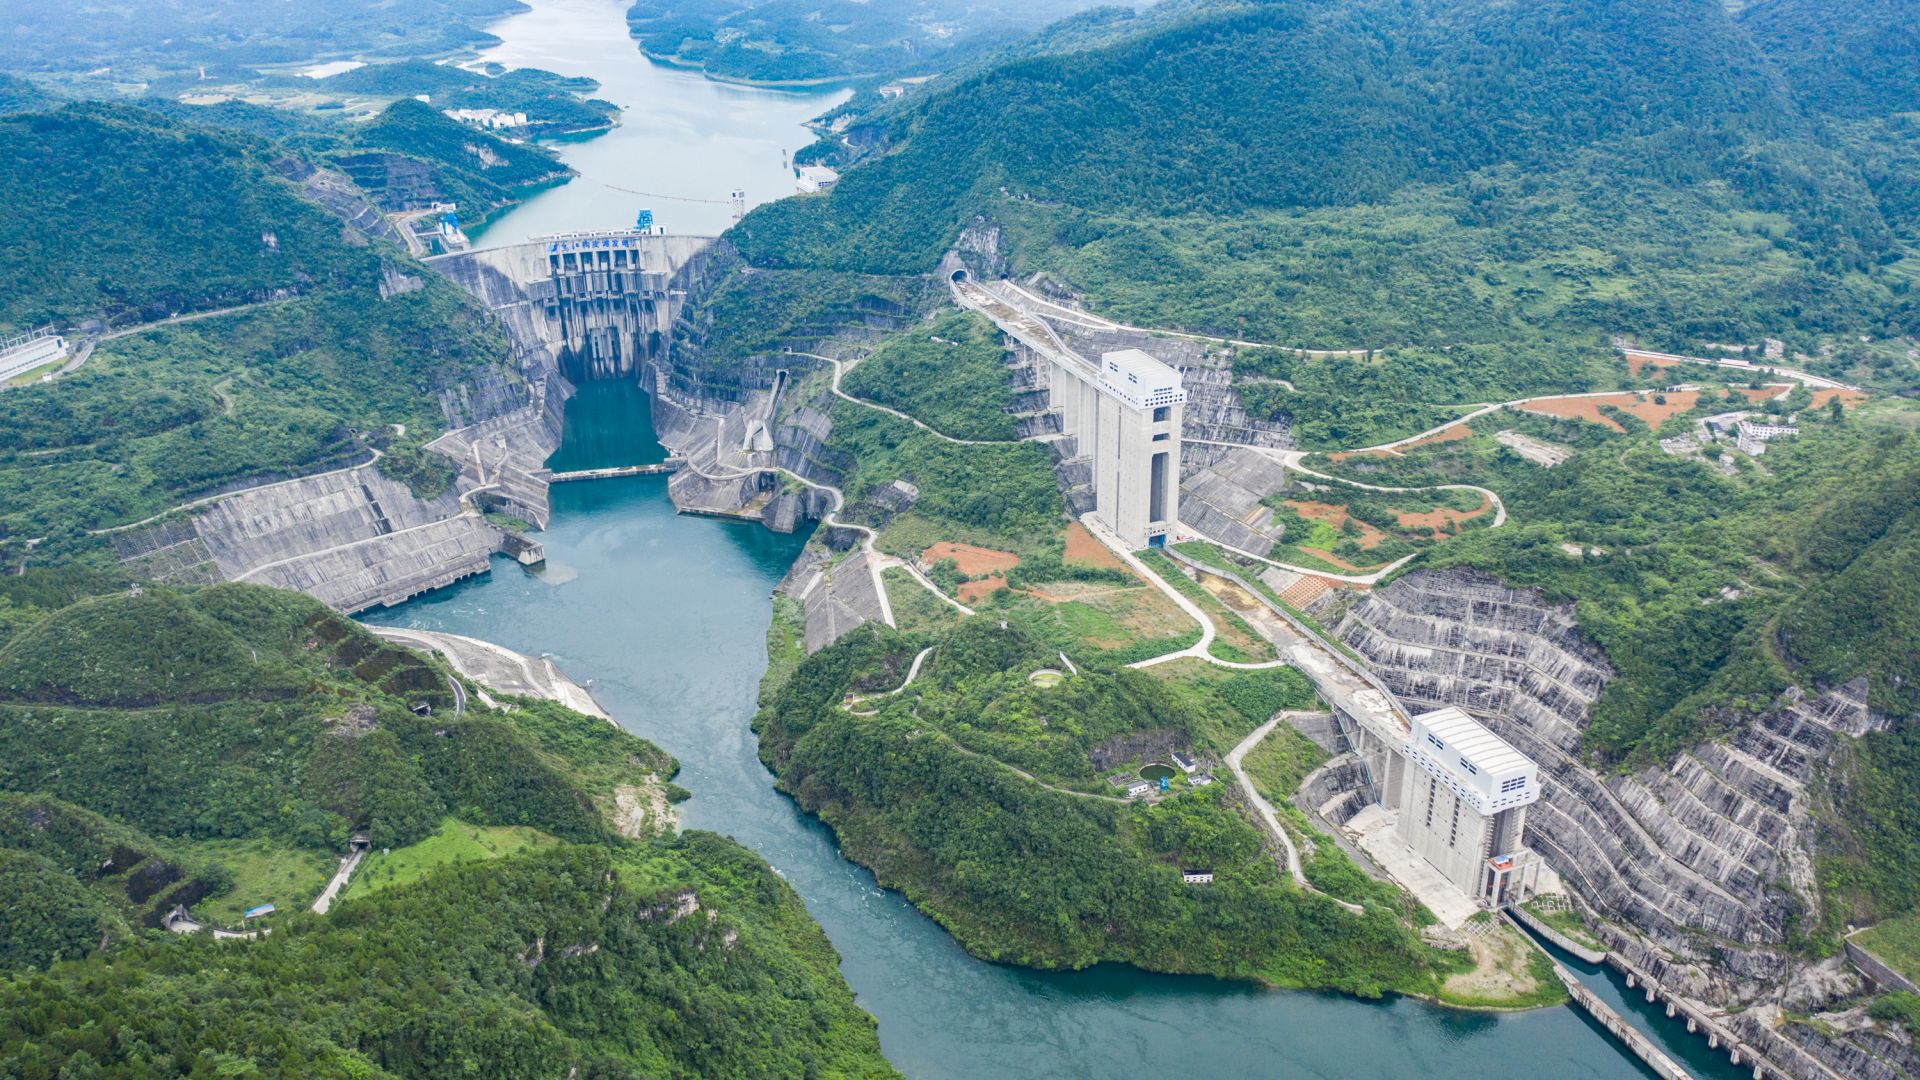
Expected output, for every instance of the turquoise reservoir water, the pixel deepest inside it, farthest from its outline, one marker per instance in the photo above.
(667, 615)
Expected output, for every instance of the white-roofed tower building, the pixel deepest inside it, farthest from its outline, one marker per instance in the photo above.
(1463, 805)
(1128, 419)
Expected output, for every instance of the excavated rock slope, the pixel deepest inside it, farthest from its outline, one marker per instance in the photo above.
(1702, 863)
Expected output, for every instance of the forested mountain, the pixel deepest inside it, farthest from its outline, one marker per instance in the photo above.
(21, 95)
(214, 748)
(477, 170)
(139, 40)
(150, 217)
(553, 103)
(147, 217)
(1372, 173)
(916, 789)
(1852, 58)
(793, 40)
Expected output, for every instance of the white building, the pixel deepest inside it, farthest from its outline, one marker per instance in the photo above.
(492, 119)
(1752, 436)
(892, 90)
(1124, 418)
(24, 352)
(1197, 877)
(815, 178)
(1462, 807)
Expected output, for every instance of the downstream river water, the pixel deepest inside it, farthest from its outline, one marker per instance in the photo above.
(665, 616)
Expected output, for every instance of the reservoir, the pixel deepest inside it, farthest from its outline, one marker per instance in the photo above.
(664, 617)
(680, 136)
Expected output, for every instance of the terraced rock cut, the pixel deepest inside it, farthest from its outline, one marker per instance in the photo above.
(1709, 858)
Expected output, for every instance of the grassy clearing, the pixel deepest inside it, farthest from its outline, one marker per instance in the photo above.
(786, 643)
(913, 532)
(1565, 921)
(1507, 972)
(264, 873)
(1895, 941)
(456, 842)
(1235, 642)
(915, 610)
(1280, 762)
(1116, 625)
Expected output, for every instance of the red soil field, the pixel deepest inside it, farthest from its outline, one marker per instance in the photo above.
(1640, 405)
(972, 591)
(1447, 434)
(1436, 518)
(1637, 362)
(1335, 516)
(973, 561)
(1084, 550)
(1848, 398)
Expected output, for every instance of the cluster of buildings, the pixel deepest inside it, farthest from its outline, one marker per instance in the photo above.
(1750, 433)
(1752, 436)
(490, 119)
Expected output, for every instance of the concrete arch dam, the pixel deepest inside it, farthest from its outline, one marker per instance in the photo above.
(601, 305)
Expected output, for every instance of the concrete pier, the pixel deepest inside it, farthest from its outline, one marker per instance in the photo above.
(1630, 1036)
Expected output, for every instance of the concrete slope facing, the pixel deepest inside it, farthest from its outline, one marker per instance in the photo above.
(1703, 866)
(351, 540)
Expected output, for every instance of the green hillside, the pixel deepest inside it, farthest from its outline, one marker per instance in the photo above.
(513, 969)
(1847, 57)
(311, 374)
(259, 736)
(121, 228)
(923, 788)
(553, 103)
(21, 95)
(214, 748)
(175, 37)
(1376, 174)
(794, 40)
(479, 171)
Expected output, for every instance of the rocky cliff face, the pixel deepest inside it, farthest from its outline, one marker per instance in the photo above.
(1701, 867)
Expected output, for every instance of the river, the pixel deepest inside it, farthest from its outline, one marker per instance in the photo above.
(680, 135)
(665, 617)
